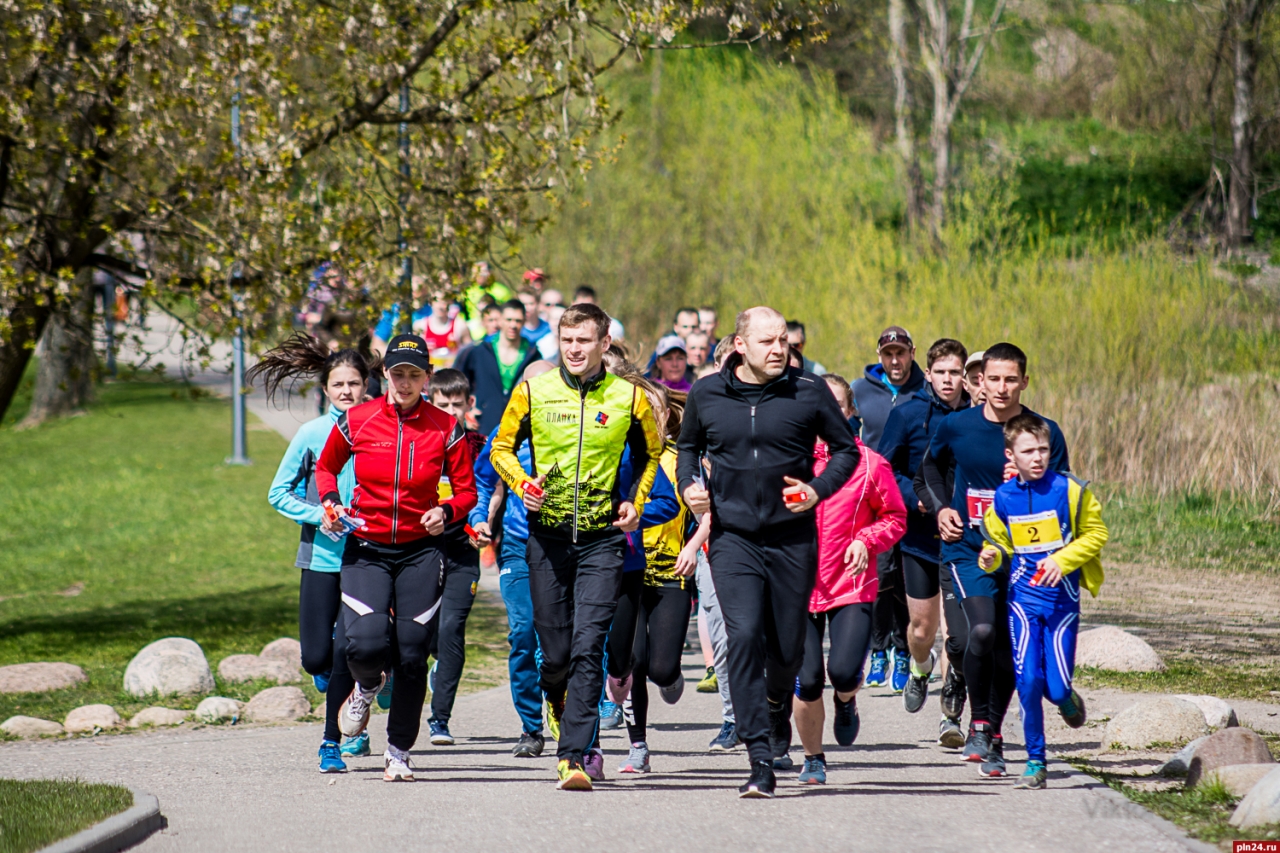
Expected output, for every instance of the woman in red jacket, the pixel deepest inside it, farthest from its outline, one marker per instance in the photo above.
(865, 517)
(394, 561)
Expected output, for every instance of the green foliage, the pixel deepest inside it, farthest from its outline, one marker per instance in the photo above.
(1189, 676)
(1192, 531)
(36, 814)
(1202, 812)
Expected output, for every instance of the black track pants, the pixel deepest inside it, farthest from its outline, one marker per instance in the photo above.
(763, 581)
(890, 617)
(988, 660)
(957, 623)
(850, 631)
(659, 643)
(461, 577)
(574, 587)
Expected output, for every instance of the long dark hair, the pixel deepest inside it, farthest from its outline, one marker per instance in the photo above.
(302, 356)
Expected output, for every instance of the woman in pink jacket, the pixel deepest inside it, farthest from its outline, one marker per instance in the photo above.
(861, 520)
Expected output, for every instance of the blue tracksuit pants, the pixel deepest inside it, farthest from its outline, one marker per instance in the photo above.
(522, 665)
(1044, 660)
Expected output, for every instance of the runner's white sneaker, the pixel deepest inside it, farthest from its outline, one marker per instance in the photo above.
(353, 716)
(395, 765)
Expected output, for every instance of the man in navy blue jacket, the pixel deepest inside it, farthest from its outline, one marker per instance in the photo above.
(905, 440)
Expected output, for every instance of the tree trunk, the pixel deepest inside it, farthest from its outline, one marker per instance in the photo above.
(28, 318)
(935, 50)
(1246, 27)
(64, 377)
(903, 128)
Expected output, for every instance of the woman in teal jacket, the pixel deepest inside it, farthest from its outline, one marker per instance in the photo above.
(343, 375)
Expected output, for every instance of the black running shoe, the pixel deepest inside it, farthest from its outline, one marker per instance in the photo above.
(916, 690)
(1073, 710)
(978, 744)
(529, 746)
(953, 694)
(780, 737)
(993, 767)
(950, 735)
(846, 722)
(761, 784)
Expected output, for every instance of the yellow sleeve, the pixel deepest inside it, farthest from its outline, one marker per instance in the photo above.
(512, 432)
(646, 447)
(997, 535)
(1089, 537)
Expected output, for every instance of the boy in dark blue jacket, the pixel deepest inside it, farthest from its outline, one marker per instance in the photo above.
(906, 437)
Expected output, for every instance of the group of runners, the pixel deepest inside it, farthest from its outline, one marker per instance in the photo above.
(733, 478)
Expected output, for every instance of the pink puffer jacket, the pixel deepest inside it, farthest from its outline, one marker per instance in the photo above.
(868, 508)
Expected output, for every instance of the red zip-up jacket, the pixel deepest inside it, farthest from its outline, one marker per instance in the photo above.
(398, 463)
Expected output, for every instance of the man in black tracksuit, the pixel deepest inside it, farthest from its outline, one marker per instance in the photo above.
(756, 422)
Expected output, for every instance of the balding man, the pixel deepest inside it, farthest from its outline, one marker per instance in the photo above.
(756, 422)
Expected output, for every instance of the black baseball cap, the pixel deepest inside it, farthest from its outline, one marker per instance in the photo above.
(407, 349)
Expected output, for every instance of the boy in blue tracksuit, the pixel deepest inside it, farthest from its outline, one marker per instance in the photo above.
(1047, 528)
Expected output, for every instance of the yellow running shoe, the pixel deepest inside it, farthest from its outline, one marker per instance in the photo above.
(553, 719)
(709, 682)
(572, 777)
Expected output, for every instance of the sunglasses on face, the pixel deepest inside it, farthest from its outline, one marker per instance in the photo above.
(893, 338)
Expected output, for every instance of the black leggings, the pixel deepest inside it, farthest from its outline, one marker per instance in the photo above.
(621, 642)
(324, 642)
(957, 622)
(988, 660)
(659, 643)
(319, 599)
(850, 632)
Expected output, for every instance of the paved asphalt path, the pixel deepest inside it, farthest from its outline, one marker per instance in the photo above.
(256, 788)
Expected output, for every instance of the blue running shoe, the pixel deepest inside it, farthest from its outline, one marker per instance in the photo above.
(321, 682)
(610, 715)
(331, 759)
(440, 735)
(384, 695)
(814, 772)
(879, 671)
(726, 740)
(1034, 776)
(901, 672)
(356, 747)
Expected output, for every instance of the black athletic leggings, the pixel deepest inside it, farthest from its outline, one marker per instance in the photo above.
(319, 600)
(988, 660)
(324, 643)
(889, 616)
(924, 579)
(449, 635)
(620, 644)
(662, 622)
(850, 633)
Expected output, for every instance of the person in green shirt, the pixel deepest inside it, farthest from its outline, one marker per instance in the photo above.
(493, 367)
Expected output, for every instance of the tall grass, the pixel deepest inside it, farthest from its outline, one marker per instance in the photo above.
(747, 183)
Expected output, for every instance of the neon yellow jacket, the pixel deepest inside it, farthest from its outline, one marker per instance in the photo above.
(577, 433)
(1088, 535)
(663, 543)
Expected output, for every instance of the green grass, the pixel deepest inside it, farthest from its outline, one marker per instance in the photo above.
(1188, 676)
(36, 814)
(123, 526)
(1192, 531)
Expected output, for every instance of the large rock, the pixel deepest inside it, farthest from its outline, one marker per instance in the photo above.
(168, 666)
(1156, 720)
(286, 650)
(1239, 779)
(277, 705)
(21, 726)
(1181, 762)
(1261, 805)
(1217, 713)
(40, 677)
(240, 668)
(158, 717)
(1229, 746)
(215, 709)
(86, 718)
(1110, 648)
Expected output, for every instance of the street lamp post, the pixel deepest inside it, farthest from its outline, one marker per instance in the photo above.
(239, 451)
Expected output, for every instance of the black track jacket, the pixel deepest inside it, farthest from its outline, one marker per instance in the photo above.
(752, 448)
